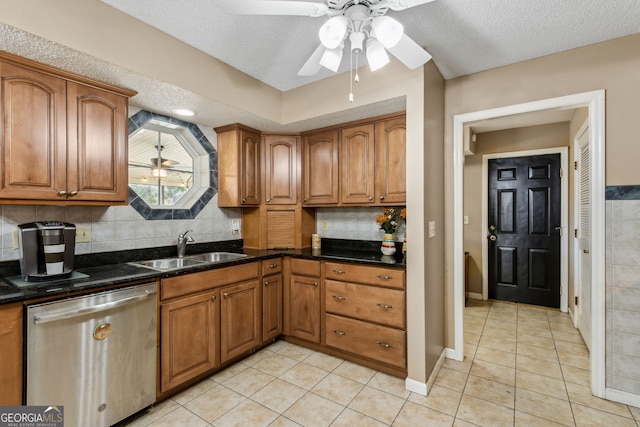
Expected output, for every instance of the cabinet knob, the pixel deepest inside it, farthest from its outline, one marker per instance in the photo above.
(213, 298)
(73, 193)
(381, 197)
(62, 193)
(341, 333)
(266, 283)
(306, 200)
(315, 284)
(371, 198)
(268, 200)
(385, 306)
(273, 265)
(385, 345)
(339, 271)
(226, 295)
(383, 277)
(339, 298)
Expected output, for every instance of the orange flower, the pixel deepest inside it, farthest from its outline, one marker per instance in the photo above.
(403, 213)
(389, 219)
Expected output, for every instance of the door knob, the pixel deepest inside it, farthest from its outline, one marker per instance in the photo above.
(493, 238)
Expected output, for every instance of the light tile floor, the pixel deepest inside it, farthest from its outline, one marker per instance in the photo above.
(524, 366)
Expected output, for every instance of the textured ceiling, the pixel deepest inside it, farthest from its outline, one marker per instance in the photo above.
(463, 36)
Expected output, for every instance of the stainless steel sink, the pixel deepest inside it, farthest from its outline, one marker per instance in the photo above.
(168, 263)
(217, 256)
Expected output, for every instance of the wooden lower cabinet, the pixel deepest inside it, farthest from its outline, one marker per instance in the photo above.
(190, 338)
(239, 319)
(271, 299)
(11, 354)
(304, 306)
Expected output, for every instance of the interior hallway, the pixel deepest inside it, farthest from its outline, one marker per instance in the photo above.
(524, 366)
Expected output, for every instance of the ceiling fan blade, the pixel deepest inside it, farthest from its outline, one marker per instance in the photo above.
(312, 66)
(274, 7)
(410, 53)
(169, 163)
(406, 4)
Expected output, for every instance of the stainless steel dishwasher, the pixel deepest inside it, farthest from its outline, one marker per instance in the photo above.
(95, 355)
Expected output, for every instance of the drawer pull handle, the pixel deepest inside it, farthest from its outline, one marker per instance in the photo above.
(380, 276)
(339, 271)
(226, 295)
(341, 333)
(273, 265)
(385, 306)
(339, 298)
(385, 345)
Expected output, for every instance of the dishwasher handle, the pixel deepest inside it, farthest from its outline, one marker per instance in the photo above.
(47, 318)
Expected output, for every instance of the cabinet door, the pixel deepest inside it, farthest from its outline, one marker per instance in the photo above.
(250, 168)
(34, 135)
(357, 164)
(271, 307)
(391, 173)
(97, 144)
(321, 169)
(239, 319)
(189, 339)
(11, 354)
(304, 308)
(281, 170)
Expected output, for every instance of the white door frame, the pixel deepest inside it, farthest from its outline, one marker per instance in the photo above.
(595, 102)
(564, 216)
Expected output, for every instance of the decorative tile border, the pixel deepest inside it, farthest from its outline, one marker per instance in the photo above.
(622, 192)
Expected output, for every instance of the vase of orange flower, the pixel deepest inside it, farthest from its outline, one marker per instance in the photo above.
(389, 220)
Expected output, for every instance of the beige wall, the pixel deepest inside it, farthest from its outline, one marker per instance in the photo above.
(511, 140)
(612, 66)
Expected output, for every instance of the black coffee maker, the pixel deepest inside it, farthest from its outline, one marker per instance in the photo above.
(46, 250)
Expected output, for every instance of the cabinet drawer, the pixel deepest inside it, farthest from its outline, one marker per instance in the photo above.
(365, 339)
(386, 306)
(392, 278)
(195, 282)
(271, 266)
(305, 267)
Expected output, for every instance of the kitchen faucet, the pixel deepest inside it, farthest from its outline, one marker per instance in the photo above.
(183, 239)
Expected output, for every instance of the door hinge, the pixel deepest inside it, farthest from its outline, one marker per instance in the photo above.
(575, 232)
(575, 166)
(576, 300)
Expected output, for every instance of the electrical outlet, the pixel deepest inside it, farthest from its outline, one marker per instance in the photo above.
(83, 234)
(325, 226)
(235, 226)
(432, 229)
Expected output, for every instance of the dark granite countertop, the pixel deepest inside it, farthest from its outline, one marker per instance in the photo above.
(112, 269)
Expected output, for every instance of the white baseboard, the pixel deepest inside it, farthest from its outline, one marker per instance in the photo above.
(452, 353)
(474, 295)
(416, 386)
(622, 397)
(436, 370)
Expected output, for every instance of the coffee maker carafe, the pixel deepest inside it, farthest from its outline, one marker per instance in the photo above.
(46, 250)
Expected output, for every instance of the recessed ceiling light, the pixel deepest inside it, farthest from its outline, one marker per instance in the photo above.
(183, 112)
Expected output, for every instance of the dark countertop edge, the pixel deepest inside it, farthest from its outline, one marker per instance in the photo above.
(123, 273)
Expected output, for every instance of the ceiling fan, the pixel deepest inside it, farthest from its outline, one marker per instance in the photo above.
(362, 22)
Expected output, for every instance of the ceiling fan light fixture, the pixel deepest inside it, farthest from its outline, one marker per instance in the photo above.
(331, 58)
(333, 32)
(376, 55)
(159, 172)
(387, 30)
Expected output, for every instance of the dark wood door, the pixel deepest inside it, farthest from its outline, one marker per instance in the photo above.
(523, 233)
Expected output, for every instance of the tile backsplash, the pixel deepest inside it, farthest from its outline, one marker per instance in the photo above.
(623, 295)
(116, 228)
(357, 223)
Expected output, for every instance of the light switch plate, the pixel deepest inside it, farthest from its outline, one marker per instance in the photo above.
(83, 234)
(466, 220)
(432, 229)
(14, 238)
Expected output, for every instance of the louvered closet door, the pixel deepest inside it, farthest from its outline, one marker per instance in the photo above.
(583, 257)
(523, 239)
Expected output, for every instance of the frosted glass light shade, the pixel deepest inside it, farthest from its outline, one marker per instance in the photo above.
(331, 58)
(333, 31)
(387, 30)
(376, 55)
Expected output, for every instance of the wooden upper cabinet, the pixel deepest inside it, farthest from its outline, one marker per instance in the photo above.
(34, 136)
(320, 166)
(97, 148)
(391, 173)
(64, 137)
(357, 165)
(238, 166)
(281, 176)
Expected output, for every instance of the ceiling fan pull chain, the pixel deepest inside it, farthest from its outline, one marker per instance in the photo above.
(357, 78)
(350, 77)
